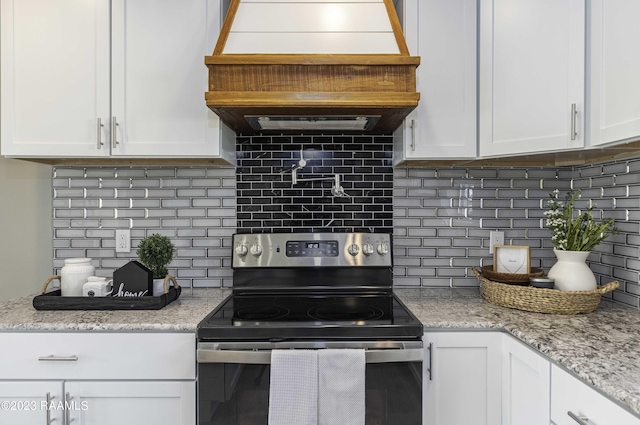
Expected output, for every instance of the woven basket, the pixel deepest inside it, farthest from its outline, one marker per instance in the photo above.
(541, 300)
(516, 279)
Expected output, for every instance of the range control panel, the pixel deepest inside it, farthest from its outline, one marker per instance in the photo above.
(312, 250)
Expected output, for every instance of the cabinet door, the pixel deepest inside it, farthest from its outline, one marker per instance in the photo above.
(159, 77)
(526, 384)
(615, 71)
(444, 34)
(54, 77)
(25, 402)
(462, 378)
(132, 403)
(531, 76)
(569, 395)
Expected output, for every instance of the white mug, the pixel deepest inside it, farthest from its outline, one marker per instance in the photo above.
(96, 287)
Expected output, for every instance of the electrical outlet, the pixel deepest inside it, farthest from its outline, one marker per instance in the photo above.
(123, 240)
(495, 238)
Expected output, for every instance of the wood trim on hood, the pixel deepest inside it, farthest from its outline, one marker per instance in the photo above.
(312, 84)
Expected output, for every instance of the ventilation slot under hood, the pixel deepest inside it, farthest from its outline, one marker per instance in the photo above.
(291, 66)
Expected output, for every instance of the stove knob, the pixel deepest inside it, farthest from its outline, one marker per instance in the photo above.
(256, 250)
(367, 249)
(353, 249)
(242, 250)
(383, 249)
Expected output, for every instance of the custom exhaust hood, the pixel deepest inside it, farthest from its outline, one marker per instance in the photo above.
(294, 65)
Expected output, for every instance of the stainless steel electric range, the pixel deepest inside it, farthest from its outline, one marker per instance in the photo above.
(309, 291)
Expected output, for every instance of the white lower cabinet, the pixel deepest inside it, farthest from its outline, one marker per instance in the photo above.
(97, 378)
(97, 402)
(492, 378)
(28, 402)
(462, 378)
(131, 403)
(572, 397)
(525, 384)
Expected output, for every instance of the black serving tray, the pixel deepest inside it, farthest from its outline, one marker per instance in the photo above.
(55, 301)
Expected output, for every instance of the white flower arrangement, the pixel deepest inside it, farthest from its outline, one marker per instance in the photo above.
(581, 233)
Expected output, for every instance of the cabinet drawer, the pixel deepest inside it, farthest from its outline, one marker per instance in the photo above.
(66, 355)
(569, 394)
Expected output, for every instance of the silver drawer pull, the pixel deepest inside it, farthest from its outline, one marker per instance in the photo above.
(52, 358)
(430, 368)
(114, 136)
(67, 412)
(574, 112)
(49, 398)
(100, 126)
(413, 135)
(582, 420)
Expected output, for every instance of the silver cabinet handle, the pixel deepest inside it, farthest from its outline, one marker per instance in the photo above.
(574, 112)
(67, 412)
(264, 357)
(52, 358)
(413, 135)
(582, 420)
(114, 138)
(100, 125)
(430, 368)
(49, 398)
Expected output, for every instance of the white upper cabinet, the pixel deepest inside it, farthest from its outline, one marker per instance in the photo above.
(54, 76)
(77, 82)
(159, 77)
(614, 63)
(443, 33)
(532, 76)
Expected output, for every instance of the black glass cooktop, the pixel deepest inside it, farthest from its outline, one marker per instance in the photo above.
(276, 317)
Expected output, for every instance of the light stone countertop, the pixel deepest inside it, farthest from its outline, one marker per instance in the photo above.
(182, 315)
(603, 348)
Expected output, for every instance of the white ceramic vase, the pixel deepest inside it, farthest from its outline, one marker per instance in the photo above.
(571, 272)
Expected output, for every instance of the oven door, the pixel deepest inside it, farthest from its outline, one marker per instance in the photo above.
(233, 381)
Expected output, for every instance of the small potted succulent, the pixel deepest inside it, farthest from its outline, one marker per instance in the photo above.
(156, 252)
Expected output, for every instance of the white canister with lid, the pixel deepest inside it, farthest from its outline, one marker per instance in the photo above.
(74, 275)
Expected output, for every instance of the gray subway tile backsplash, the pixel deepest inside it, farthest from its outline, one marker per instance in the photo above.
(146, 200)
(440, 217)
(505, 200)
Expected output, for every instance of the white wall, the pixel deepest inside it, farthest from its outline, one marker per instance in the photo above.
(26, 235)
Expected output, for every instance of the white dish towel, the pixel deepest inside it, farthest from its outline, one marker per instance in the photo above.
(293, 390)
(341, 378)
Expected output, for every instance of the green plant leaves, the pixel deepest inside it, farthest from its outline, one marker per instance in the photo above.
(156, 252)
(575, 232)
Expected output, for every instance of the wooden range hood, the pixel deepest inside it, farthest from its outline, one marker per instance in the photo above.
(329, 71)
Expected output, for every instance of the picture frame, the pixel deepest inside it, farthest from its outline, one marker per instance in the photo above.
(512, 259)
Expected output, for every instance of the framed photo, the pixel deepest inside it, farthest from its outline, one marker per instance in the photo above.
(511, 259)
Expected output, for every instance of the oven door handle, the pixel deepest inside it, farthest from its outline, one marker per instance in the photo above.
(264, 357)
